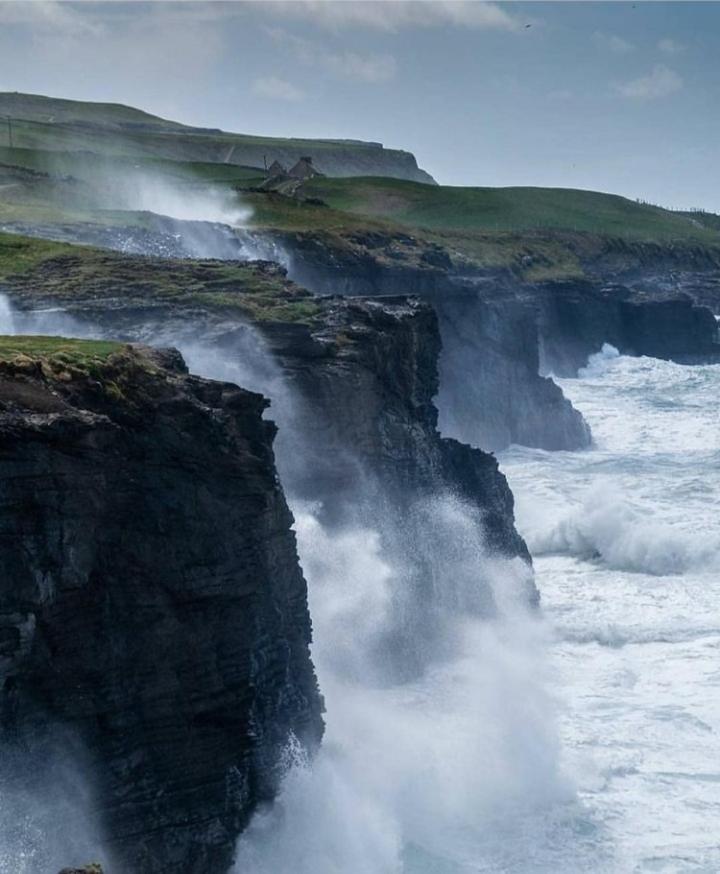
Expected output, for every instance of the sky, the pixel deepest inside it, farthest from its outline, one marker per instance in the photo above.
(620, 97)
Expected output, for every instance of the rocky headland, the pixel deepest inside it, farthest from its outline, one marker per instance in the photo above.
(353, 383)
(153, 612)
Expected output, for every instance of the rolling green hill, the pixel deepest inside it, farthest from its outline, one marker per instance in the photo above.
(38, 122)
(504, 209)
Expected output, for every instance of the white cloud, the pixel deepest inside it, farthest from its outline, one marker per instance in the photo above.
(84, 36)
(671, 47)
(393, 15)
(661, 82)
(613, 43)
(372, 68)
(275, 88)
(48, 14)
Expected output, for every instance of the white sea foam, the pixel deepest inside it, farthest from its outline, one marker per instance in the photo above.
(607, 526)
(600, 362)
(626, 539)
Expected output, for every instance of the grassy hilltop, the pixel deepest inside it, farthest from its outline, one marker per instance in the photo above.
(502, 209)
(47, 123)
(66, 155)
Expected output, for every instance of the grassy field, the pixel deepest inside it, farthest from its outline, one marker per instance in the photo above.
(63, 349)
(504, 209)
(93, 165)
(19, 255)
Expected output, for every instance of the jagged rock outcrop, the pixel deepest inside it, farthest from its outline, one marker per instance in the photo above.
(491, 393)
(367, 374)
(152, 606)
(364, 377)
(499, 332)
(491, 390)
(353, 384)
(644, 299)
(365, 371)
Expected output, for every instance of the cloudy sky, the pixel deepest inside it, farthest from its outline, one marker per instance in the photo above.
(616, 96)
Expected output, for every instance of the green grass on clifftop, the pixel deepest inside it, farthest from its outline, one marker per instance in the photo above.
(38, 270)
(21, 254)
(69, 351)
(504, 209)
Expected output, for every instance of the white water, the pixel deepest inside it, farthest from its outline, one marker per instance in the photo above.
(627, 544)
(443, 774)
(427, 776)
(585, 741)
(463, 771)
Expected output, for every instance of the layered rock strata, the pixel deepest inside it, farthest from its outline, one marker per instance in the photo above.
(152, 608)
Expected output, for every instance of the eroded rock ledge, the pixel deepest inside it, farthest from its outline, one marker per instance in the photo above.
(151, 602)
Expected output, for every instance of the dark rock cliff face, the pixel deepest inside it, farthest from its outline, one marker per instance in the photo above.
(662, 305)
(362, 376)
(496, 330)
(491, 393)
(506, 400)
(575, 319)
(367, 377)
(364, 382)
(151, 602)
(353, 391)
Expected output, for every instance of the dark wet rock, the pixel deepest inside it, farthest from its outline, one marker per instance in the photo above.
(491, 390)
(368, 376)
(575, 319)
(152, 607)
(645, 299)
(491, 393)
(353, 384)
(365, 379)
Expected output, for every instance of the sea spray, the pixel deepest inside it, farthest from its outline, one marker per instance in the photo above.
(599, 362)
(7, 316)
(445, 759)
(48, 812)
(436, 768)
(451, 763)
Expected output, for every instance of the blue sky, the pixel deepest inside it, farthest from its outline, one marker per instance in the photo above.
(615, 96)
